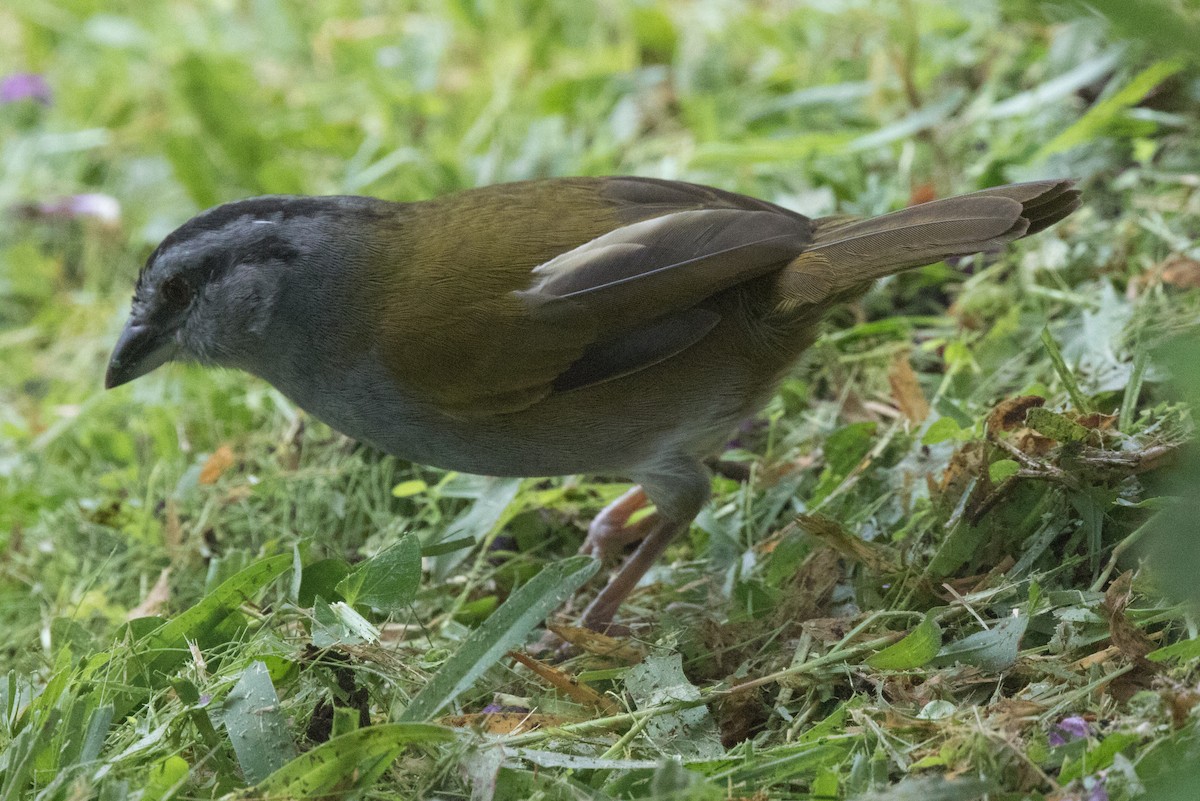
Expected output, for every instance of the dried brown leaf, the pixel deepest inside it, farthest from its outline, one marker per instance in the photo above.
(826, 630)
(967, 462)
(1181, 700)
(906, 389)
(216, 464)
(877, 558)
(1131, 641)
(1031, 442)
(156, 599)
(505, 722)
(568, 685)
(598, 644)
(1182, 272)
(1097, 421)
(1009, 414)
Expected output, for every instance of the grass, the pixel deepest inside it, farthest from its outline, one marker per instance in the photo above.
(963, 565)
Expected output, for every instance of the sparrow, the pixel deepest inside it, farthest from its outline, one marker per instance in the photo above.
(616, 325)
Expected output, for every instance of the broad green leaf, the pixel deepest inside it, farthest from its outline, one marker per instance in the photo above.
(1171, 770)
(338, 624)
(212, 609)
(447, 546)
(493, 507)
(993, 650)
(345, 720)
(193, 168)
(21, 753)
(164, 777)
(256, 726)
(1155, 22)
(942, 429)
(691, 732)
(1184, 650)
(388, 580)
(95, 734)
(671, 780)
(931, 788)
(826, 784)
(213, 88)
(1056, 88)
(917, 648)
(321, 579)
(838, 94)
(83, 730)
(506, 628)
(909, 125)
(843, 451)
(1099, 758)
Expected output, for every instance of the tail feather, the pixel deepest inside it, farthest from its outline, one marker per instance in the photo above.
(1043, 202)
(846, 255)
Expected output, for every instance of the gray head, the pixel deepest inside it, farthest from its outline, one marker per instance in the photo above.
(212, 289)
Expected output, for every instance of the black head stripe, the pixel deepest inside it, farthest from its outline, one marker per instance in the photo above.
(266, 209)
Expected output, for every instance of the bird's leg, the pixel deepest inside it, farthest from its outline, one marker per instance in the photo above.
(678, 490)
(658, 535)
(610, 532)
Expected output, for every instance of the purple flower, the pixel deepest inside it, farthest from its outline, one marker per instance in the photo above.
(495, 709)
(1098, 790)
(1068, 729)
(104, 209)
(99, 207)
(24, 86)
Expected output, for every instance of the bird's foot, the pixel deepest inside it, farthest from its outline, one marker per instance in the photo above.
(659, 533)
(610, 531)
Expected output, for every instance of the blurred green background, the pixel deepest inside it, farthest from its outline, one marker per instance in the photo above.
(120, 120)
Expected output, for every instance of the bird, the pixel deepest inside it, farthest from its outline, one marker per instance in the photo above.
(590, 325)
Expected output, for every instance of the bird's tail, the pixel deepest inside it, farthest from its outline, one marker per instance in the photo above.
(848, 253)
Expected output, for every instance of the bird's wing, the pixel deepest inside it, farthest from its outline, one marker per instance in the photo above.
(593, 304)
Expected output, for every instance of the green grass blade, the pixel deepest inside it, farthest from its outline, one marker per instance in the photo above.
(1100, 116)
(505, 629)
(344, 763)
(1081, 403)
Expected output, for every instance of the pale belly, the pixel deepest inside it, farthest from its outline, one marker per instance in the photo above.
(624, 427)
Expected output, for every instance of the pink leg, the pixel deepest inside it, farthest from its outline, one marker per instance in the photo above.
(658, 535)
(678, 489)
(608, 534)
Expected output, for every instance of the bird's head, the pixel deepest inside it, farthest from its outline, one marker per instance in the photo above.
(216, 287)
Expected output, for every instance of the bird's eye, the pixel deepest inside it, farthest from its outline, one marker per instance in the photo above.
(176, 292)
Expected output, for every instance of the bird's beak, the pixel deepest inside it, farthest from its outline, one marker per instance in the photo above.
(140, 348)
